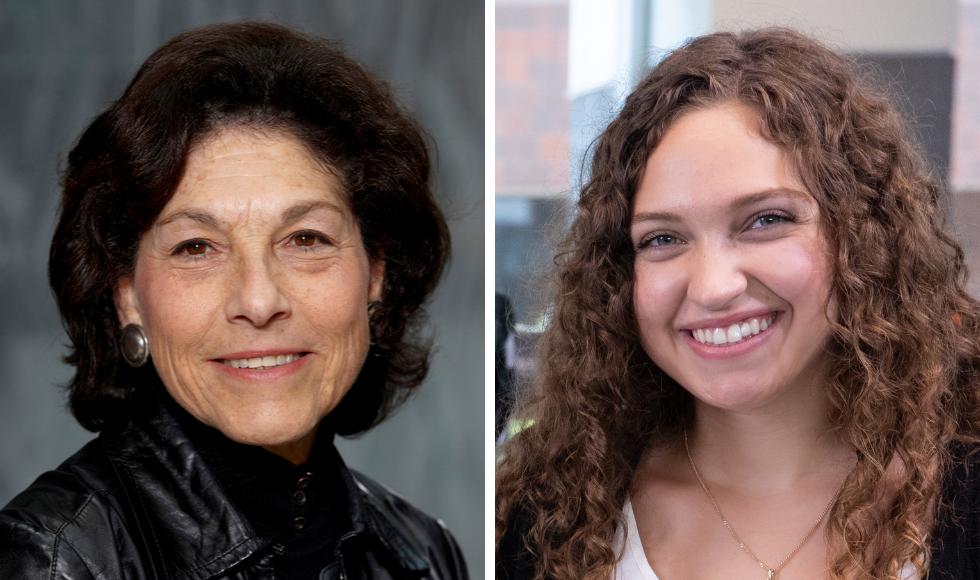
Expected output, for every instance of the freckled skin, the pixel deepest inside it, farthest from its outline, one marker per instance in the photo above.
(722, 260)
(256, 250)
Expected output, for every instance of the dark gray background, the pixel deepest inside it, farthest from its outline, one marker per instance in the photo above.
(61, 62)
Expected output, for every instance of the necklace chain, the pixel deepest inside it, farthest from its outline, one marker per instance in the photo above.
(771, 571)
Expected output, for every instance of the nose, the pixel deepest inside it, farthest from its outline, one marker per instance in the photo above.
(257, 296)
(716, 277)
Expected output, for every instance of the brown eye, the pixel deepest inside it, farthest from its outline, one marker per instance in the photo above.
(305, 240)
(195, 249)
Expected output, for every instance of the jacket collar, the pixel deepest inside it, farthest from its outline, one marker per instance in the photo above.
(194, 530)
(372, 514)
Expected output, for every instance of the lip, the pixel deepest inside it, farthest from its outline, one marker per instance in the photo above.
(259, 353)
(731, 319)
(736, 350)
(272, 374)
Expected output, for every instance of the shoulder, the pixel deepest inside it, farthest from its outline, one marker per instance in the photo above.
(59, 525)
(514, 560)
(956, 535)
(399, 522)
(961, 483)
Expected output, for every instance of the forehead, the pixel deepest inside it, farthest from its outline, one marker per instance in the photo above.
(236, 170)
(713, 155)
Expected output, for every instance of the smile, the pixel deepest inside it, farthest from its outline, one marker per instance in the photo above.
(735, 333)
(262, 362)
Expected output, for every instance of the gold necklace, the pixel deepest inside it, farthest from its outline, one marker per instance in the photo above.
(770, 571)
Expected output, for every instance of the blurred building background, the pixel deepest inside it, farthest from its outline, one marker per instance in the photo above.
(62, 62)
(564, 67)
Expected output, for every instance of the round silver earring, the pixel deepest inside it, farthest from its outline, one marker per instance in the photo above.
(135, 345)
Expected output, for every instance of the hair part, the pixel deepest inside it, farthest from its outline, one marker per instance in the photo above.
(905, 347)
(127, 164)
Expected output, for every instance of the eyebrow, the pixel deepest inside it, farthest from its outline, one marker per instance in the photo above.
(736, 204)
(755, 198)
(288, 216)
(202, 217)
(301, 209)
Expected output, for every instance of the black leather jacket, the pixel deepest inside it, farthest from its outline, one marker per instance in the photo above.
(139, 503)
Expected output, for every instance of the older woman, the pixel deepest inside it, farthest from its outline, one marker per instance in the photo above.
(762, 361)
(245, 241)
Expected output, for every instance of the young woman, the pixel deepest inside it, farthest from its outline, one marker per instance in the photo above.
(762, 361)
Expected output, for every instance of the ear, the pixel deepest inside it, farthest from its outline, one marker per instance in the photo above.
(127, 307)
(376, 285)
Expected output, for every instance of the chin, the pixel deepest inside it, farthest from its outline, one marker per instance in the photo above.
(268, 432)
(731, 396)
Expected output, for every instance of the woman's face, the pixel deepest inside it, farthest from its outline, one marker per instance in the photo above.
(253, 286)
(732, 270)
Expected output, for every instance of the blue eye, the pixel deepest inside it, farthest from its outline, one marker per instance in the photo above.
(658, 241)
(769, 219)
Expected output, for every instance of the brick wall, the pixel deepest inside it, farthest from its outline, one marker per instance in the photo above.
(532, 114)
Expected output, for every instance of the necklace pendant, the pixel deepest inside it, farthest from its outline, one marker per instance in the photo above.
(772, 574)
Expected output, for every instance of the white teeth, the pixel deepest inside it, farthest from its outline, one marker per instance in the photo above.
(719, 336)
(261, 362)
(735, 333)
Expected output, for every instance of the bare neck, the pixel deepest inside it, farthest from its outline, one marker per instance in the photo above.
(772, 447)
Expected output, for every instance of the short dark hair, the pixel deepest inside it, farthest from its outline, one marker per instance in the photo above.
(126, 165)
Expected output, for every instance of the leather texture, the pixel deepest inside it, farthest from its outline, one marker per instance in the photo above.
(138, 503)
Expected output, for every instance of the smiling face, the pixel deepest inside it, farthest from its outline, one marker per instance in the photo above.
(253, 286)
(732, 271)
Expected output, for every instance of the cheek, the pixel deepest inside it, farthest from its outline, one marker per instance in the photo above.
(177, 310)
(806, 272)
(801, 275)
(335, 305)
(656, 293)
(339, 320)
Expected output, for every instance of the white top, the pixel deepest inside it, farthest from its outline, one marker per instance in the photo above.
(635, 566)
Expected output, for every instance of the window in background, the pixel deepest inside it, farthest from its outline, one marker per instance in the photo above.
(563, 68)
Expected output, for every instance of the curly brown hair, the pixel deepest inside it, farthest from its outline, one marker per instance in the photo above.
(126, 165)
(905, 347)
